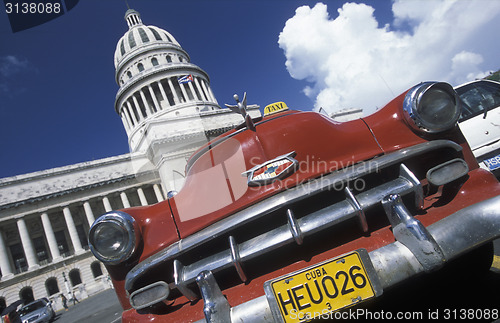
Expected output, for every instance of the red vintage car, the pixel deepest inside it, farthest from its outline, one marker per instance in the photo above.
(295, 215)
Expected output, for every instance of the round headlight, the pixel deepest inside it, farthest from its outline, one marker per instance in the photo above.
(114, 237)
(432, 107)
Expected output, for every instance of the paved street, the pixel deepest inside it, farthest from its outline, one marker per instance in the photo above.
(101, 308)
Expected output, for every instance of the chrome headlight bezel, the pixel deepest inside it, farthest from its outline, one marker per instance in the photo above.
(122, 223)
(416, 107)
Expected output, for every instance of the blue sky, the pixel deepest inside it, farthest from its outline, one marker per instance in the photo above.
(57, 85)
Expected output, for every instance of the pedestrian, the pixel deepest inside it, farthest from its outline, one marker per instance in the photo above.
(64, 302)
(74, 299)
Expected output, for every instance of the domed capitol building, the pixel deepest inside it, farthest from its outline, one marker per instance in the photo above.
(168, 111)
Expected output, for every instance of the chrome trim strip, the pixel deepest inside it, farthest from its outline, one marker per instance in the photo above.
(294, 227)
(236, 259)
(354, 203)
(284, 198)
(419, 193)
(180, 283)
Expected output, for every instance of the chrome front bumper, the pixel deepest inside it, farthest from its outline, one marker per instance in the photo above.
(417, 250)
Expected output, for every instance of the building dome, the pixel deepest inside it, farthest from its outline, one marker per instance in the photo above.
(140, 38)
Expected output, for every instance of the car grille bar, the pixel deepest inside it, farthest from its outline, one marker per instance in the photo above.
(307, 225)
(296, 229)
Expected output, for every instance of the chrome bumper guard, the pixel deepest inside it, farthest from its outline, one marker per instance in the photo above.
(417, 249)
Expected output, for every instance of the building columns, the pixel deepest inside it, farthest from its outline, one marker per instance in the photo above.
(153, 97)
(158, 194)
(51, 238)
(125, 201)
(127, 116)
(207, 94)
(172, 89)
(184, 93)
(142, 197)
(198, 86)
(4, 260)
(73, 234)
(195, 96)
(132, 114)
(27, 245)
(147, 108)
(107, 205)
(138, 108)
(163, 94)
(88, 213)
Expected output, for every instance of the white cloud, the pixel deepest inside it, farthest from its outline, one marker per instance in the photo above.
(352, 62)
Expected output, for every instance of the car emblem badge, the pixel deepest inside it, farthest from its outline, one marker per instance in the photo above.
(272, 170)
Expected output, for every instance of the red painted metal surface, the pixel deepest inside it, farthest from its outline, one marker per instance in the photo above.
(216, 188)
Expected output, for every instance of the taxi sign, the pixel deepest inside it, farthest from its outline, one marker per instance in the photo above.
(275, 108)
(323, 288)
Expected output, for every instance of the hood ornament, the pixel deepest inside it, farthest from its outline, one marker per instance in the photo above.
(271, 170)
(241, 108)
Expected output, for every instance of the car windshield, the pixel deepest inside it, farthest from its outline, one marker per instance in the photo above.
(478, 97)
(31, 307)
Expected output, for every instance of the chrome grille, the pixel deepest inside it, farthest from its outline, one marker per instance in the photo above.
(233, 251)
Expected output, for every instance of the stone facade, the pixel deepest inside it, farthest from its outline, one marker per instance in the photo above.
(45, 217)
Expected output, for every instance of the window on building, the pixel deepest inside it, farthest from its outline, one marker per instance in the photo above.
(131, 40)
(140, 67)
(169, 59)
(62, 244)
(129, 74)
(41, 250)
(122, 48)
(155, 33)
(168, 38)
(74, 277)
(96, 269)
(51, 286)
(17, 252)
(83, 237)
(26, 294)
(143, 35)
(154, 61)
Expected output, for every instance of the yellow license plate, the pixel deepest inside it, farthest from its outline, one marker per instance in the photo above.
(322, 289)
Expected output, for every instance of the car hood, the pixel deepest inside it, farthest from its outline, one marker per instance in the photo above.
(217, 182)
(35, 313)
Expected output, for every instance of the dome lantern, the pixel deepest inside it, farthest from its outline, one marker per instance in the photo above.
(133, 18)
